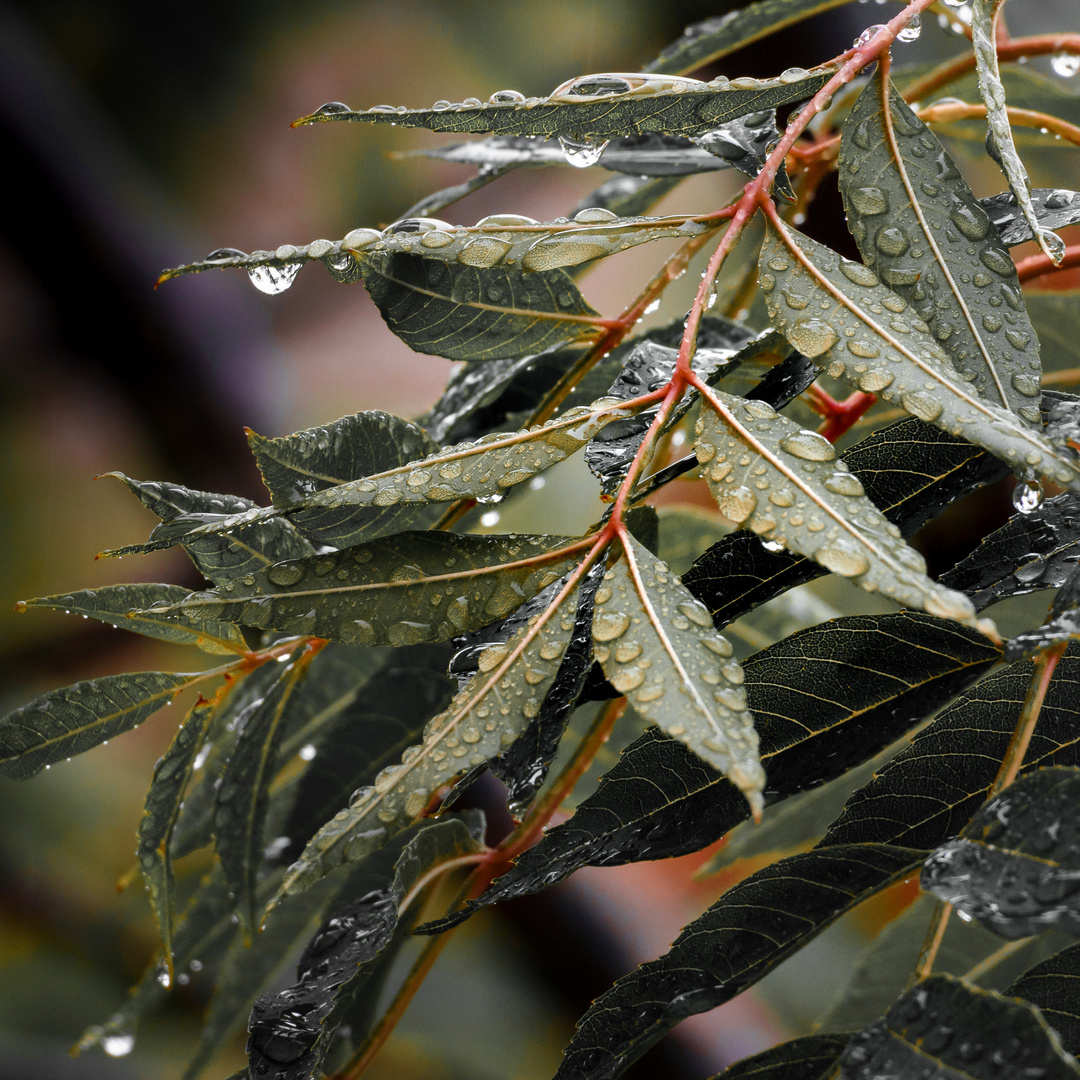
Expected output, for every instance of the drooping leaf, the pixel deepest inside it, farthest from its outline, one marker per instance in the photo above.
(656, 644)
(1038, 550)
(474, 313)
(807, 1058)
(242, 795)
(920, 228)
(814, 720)
(1062, 624)
(292, 1030)
(752, 928)
(814, 504)
(929, 792)
(219, 558)
(160, 813)
(113, 603)
(890, 351)
(962, 1032)
(1054, 207)
(482, 721)
(999, 137)
(398, 590)
(600, 107)
(77, 718)
(910, 470)
(1053, 988)
(1016, 865)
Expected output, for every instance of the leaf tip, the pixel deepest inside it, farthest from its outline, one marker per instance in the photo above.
(20, 607)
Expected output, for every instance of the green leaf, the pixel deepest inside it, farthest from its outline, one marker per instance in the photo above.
(219, 558)
(242, 795)
(160, 814)
(473, 313)
(861, 331)
(752, 928)
(920, 228)
(398, 590)
(77, 718)
(597, 107)
(962, 1032)
(299, 466)
(1014, 867)
(1054, 207)
(928, 793)
(814, 504)
(806, 1058)
(113, 604)
(656, 644)
(1029, 552)
(292, 1030)
(815, 722)
(999, 137)
(482, 720)
(1053, 987)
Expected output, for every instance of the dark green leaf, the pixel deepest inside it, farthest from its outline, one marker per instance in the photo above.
(77, 718)
(815, 722)
(964, 1033)
(113, 603)
(1054, 207)
(1030, 551)
(1054, 988)
(920, 228)
(927, 793)
(1062, 624)
(808, 1058)
(219, 558)
(1015, 867)
(399, 590)
(755, 926)
(598, 110)
(160, 813)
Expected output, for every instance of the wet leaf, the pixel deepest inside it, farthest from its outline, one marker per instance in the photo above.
(1029, 552)
(243, 795)
(1054, 207)
(113, 603)
(752, 928)
(77, 718)
(920, 228)
(999, 137)
(657, 644)
(815, 721)
(600, 107)
(398, 590)
(962, 1031)
(160, 814)
(219, 558)
(482, 721)
(471, 313)
(889, 352)
(1053, 988)
(298, 467)
(814, 505)
(1015, 867)
(1062, 624)
(292, 1030)
(929, 792)
(910, 470)
(806, 1058)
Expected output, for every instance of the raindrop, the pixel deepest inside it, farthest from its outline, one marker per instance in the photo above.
(581, 153)
(118, 1045)
(307, 752)
(506, 97)
(867, 35)
(609, 625)
(224, 254)
(273, 279)
(596, 86)
(812, 337)
(912, 30)
(809, 446)
(1065, 64)
(332, 108)
(490, 519)
(1028, 494)
(772, 545)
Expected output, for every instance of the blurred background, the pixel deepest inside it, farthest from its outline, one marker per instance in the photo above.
(142, 137)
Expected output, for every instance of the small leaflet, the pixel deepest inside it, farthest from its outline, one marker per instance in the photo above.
(864, 333)
(1016, 865)
(657, 644)
(482, 721)
(922, 232)
(944, 1025)
(789, 485)
(1054, 207)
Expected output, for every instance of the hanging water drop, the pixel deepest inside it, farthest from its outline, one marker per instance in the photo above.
(1028, 494)
(1065, 64)
(273, 279)
(912, 30)
(581, 153)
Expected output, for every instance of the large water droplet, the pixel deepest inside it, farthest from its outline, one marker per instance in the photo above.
(225, 254)
(118, 1045)
(891, 241)
(843, 557)
(923, 405)
(1065, 64)
(273, 279)
(580, 152)
(809, 446)
(506, 97)
(608, 625)
(812, 337)
(737, 504)
(912, 30)
(332, 108)
(867, 35)
(1028, 495)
